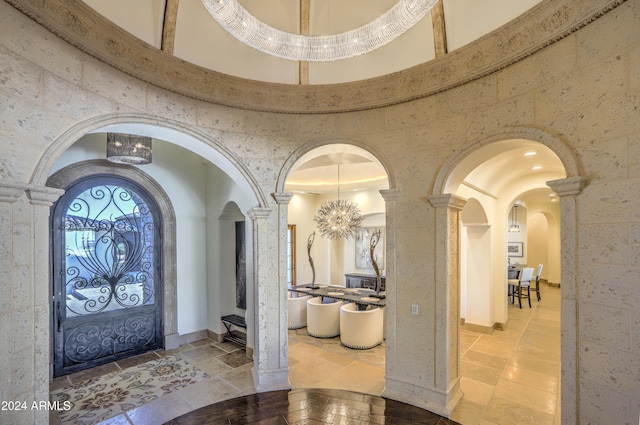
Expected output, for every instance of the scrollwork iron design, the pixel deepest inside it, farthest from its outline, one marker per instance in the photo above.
(109, 233)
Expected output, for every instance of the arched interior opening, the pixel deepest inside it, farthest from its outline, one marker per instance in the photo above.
(499, 342)
(207, 204)
(336, 172)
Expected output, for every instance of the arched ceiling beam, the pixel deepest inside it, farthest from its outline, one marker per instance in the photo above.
(305, 17)
(439, 33)
(169, 25)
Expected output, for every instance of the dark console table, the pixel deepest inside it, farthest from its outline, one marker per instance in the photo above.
(360, 280)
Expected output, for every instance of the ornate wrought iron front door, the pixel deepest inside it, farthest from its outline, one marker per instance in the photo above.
(107, 302)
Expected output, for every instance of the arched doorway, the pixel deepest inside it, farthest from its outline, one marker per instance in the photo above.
(107, 281)
(451, 179)
(320, 174)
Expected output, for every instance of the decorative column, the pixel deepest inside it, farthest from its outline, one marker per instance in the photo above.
(42, 198)
(390, 206)
(24, 299)
(269, 363)
(568, 189)
(447, 298)
(283, 199)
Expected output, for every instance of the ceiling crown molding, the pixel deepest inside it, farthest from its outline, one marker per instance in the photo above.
(543, 25)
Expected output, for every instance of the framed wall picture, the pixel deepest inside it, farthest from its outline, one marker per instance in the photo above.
(515, 249)
(363, 256)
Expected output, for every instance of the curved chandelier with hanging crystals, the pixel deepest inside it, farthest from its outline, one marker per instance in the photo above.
(320, 48)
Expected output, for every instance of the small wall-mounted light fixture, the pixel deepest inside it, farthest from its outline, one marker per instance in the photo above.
(128, 149)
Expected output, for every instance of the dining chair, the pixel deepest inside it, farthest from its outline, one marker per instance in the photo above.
(323, 318)
(517, 286)
(361, 329)
(536, 282)
(297, 310)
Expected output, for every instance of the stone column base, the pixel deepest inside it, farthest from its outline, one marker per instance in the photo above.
(426, 398)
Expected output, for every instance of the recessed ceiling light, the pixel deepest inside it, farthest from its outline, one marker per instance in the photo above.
(537, 167)
(530, 153)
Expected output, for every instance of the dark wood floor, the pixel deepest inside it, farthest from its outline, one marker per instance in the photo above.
(310, 407)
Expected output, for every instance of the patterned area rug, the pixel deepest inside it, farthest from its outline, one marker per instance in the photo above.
(98, 399)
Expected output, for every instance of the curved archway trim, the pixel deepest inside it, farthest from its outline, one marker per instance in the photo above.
(288, 165)
(565, 153)
(204, 144)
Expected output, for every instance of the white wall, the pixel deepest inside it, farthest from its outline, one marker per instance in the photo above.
(224, 195)
(543, 240)
(332, 259)
(302, 208)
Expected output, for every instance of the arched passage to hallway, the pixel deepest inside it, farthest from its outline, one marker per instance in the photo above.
(454, 178)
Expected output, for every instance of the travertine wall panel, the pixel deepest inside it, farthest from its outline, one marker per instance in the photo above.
(112, 84)
(611, 202)
(609, 160)
(517, 111)
(604, 243)
(251, 147)
(72, 100)
(410, 114)
(20, 77)
(313, 127)
(614, 286)
(609, 119)
(581, 89)
(469, 98)
(553, 64)
(634, 67)
(169, 105)
(614, 332)
(620, 375)
(27, 121)
(634, 156)
(41, 48)
(601, 402)
(360, 123)
(220, 118)
(599, 40)
(635, 332)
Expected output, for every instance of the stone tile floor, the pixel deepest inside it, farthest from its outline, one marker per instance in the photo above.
(508, 377)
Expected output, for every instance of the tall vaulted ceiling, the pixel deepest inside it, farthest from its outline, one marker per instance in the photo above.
(187, 31)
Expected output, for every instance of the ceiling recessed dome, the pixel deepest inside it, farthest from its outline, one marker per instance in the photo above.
(194, 35)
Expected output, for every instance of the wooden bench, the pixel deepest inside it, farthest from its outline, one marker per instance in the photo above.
(234, 336)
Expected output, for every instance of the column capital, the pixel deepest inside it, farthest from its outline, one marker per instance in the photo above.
(282, 197)
(390, 194)
(258, 213)
(570, 186)
(448, 200)
(11, 191)
(44, 195)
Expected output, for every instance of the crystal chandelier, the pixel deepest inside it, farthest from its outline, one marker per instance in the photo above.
(338, 219)
(320, 48)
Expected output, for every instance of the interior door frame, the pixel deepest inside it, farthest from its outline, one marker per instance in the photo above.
(79, 170)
